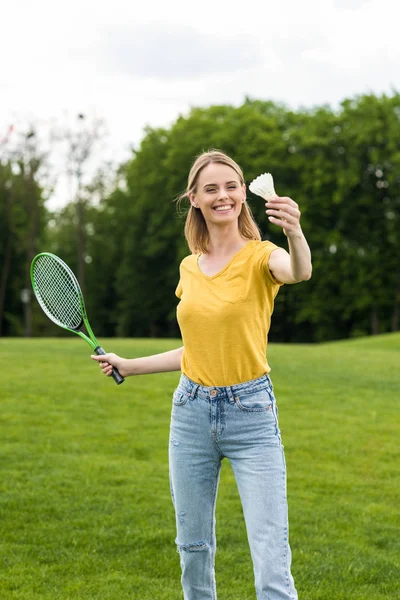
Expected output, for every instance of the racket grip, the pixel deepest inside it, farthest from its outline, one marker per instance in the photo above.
(115, 373)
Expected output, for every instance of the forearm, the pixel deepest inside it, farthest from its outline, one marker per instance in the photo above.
(300, 257)
(157, 363)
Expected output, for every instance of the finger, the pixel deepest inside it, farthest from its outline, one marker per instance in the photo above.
(288, 213)
(290, 206)
(98, 358)
(283, 224)
(283, 200)
(284, 215)
(276, 221)
(101, 362)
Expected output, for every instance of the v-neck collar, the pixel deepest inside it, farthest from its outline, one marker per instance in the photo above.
(225, 267)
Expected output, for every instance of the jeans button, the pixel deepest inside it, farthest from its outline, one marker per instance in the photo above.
(213, 393)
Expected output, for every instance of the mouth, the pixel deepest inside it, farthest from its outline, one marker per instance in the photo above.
(223, 208)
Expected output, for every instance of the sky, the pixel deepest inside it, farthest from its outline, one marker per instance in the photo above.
(134, 64)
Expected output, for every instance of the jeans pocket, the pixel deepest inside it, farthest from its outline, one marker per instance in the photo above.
(180, 398)
(258, 401)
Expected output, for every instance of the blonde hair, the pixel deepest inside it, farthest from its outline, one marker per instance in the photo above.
(196, 232)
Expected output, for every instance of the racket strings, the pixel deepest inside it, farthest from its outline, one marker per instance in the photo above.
(57, 292)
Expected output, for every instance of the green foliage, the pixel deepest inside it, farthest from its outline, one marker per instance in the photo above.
(343, 169)
(22, 223)
(85, 504)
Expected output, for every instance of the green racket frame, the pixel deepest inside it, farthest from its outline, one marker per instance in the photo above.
(90, 338)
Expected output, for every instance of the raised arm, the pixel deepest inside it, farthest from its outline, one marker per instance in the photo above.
(156, 363)
(293, 266)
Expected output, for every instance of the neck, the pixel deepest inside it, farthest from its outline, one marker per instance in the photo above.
(224, 241)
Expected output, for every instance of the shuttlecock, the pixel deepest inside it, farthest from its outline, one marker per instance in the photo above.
(263, 186)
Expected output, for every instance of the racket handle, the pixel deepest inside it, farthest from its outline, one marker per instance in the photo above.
(115, 373)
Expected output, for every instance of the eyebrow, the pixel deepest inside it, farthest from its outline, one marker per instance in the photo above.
(211, 184)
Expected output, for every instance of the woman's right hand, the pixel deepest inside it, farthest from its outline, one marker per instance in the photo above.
(110, 360)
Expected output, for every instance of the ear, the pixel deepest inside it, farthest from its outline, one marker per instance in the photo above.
(244, 192)
(193, 200)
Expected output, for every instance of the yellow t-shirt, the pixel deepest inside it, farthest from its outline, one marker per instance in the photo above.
(225, 319)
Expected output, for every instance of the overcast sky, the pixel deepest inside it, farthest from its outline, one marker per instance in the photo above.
(144, 62)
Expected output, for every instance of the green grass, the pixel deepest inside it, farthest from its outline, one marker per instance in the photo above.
(85, 510)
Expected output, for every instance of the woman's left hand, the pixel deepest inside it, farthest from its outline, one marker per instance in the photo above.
(284, 212)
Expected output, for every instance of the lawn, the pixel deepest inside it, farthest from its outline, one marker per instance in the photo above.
(85, 509)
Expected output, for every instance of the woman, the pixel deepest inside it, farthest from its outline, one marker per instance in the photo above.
(224, 405)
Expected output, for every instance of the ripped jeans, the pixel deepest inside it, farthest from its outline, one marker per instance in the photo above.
(239, 422)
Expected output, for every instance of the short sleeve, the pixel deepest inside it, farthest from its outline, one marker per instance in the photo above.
(269, 247)
(178, 291)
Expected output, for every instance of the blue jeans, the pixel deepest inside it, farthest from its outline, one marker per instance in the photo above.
(239, 422)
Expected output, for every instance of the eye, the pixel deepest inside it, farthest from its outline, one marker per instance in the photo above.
(231, 187)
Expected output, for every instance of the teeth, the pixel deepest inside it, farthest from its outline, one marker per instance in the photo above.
(222, 208)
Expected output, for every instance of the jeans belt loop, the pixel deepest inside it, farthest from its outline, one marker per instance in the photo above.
(194, 390)
(230, 394)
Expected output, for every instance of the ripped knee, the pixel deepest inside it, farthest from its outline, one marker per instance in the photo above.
(195, 547)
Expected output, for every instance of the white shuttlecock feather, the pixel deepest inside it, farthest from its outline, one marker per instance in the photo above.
(263, 186)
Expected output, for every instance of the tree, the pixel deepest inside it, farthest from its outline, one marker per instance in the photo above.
(81, 141)
(342, 167)
(22, 206)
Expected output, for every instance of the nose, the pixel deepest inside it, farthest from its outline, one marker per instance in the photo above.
(222, 194)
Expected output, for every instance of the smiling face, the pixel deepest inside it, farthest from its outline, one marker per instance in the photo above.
(219, 194)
